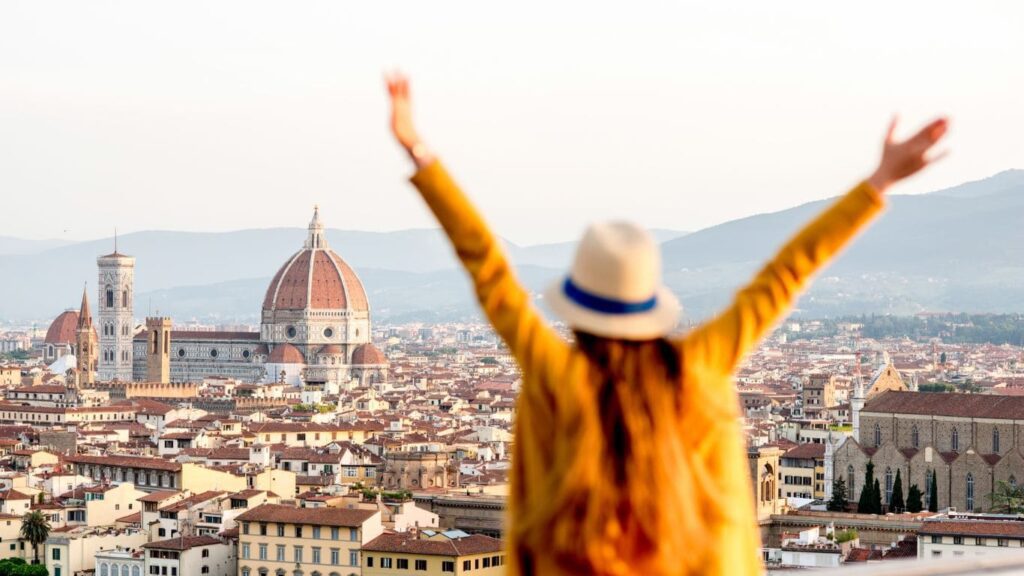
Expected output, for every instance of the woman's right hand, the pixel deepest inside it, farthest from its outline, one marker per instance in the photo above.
(903, 159)
(401, 117)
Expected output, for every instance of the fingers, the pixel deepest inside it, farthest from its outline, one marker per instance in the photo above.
(891, 131)
(929, 135)
(397, 83)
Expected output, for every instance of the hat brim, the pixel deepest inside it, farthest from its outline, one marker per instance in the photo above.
(654, 323)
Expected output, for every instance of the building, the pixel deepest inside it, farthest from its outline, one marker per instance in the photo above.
(315, 329)
(764, 464)
(73, 551)
(954, 536)
(119, 561)
(803, 471)
(433, 553)
(188, 556)
(86, 346)
(116, 285)
(818, 395)
(275, 539)
(967, 442)
(153, 474)
(420, 470)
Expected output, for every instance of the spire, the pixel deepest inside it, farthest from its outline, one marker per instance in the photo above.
(316, 238)
(84, 316)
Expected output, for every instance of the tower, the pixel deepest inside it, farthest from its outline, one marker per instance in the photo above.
(85, 343)
(857, 400)
(158, 350)
(116, 295)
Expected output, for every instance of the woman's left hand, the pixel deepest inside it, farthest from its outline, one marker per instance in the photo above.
(401, 111)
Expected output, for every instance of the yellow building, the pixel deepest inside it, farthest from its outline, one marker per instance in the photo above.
(275, 539)
(433, 554)
(803, 472)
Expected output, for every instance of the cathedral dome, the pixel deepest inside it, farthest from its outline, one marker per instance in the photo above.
(316, 278)
(62, 329)
(368, 355)
(286, 354)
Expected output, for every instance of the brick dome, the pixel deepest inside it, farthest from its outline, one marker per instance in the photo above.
(286, 354)
(368, 354)
(316, 278)
(62, 329)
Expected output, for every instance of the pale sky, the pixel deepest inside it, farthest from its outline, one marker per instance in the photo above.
(207, 115)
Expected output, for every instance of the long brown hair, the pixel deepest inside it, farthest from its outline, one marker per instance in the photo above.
(627, 503)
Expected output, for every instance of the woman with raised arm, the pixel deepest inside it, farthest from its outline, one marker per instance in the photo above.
(628, 454)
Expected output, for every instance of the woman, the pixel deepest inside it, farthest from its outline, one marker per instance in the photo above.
(628, 456)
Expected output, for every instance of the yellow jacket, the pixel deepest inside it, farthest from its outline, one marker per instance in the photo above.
(719, 534)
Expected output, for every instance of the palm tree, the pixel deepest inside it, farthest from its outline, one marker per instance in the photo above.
(35, 528)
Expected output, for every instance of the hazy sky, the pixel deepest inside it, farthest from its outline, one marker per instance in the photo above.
(214, 115)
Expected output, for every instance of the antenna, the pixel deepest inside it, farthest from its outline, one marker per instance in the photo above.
(115, 239)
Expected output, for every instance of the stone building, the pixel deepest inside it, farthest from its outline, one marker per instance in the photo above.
(969, 441)
(420, 470)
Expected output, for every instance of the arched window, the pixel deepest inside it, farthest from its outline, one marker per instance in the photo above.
(850, 491)
(915, 437)
(246, 571)
(888, 485)
(878, 435)
(954, 440)
(124, 299)
(970, 492)
(110, 297)
(103, 569)
(929, 476)
(124, 570)
(136, 570)
(995, 440)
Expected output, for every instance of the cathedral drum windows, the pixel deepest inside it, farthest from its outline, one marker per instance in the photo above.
(290, 332)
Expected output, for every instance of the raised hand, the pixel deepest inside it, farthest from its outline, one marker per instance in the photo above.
(903, 159)
(401, 112)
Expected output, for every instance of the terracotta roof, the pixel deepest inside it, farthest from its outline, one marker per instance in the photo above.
(183, 543)
(806, 451)
(62, 329)
(126, 462)
(286, 354)
(311, 516)
(993, 528)
(331, 285)
(407, 543)
(368, 354)
(947, 404)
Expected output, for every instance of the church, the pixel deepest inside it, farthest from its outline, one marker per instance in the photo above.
(315, 329)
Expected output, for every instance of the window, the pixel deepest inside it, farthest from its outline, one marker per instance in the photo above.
(316, 555)
(353, 558)
(298, 531)
(263, 551)
(888, 485)
(954, 440)
(915, 438)
(245, 550)
(246, 571)
(447, 566)
(206, 552)
(958, 540)
(263, 529)
(316, 532)
(245, 528)
(421, 565)
(298, 554)
(970, 492)
(110, 297)
(335, 556)
(466, 565)
(280, 553)
(995, 440)
(403, 564)
(334, 533)
(369, 561)
(979, 541)
(205, 570)
(849, 480)
(936, 539)
(878, 435)
(385, 562)
(1002, 542)
(353, 534)
(56, 554)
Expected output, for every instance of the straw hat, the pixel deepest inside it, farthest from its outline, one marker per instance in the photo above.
(614, 288)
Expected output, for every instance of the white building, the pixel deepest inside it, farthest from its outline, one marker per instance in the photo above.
(190, 556)
(955, 536)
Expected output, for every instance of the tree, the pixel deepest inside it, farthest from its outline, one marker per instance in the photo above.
(933, 495)
(876, 497)
(914, 503)
(838, 503)
(896, 503)
(35, 529)
(942, 359)
(1008, 498)
(865, 503)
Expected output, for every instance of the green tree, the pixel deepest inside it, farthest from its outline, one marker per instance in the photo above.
(864, 504)
(876, 499)
(838, 503)
(914, 503)
(896, 503)
(1008, 498)
(942, 359)
(933, 495)
(35, 529)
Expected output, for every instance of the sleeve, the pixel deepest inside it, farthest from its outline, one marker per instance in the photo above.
(505, 302)
(721, 343)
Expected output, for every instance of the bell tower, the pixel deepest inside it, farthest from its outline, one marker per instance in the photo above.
(85, 344)
(158, 350)
(116, 296)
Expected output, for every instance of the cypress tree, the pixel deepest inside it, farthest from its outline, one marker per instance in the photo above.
(914, 503)
(876, 496)
(864, 504)
(933, 495)
(838, 503)
(896, 503)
